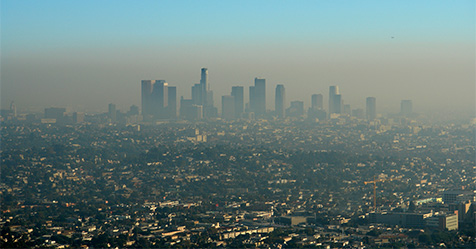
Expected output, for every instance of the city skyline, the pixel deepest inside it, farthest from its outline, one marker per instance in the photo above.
(158, 102)
(394, 50)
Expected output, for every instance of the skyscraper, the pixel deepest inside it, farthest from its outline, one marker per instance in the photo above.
(112, 112)
(259, 96)
(279, 101)
(204, 85)
(237, 93)
(337, 104)
(146, 87)
(406, 108)
(197, 94)
(155, 99)
(201, 95)
(334, 104)
(159, 99)
(260, 90)
(317, 101)
(228, 107)
(172, 102)
(252, 103)
(371, 108)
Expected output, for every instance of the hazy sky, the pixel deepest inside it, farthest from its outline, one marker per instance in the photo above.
(86, 54)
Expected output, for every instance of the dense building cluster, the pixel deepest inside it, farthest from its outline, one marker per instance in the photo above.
(240, 183)
(159, 102)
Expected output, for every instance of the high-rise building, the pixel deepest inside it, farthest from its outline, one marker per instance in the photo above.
(371, 108)
(159, 99)
(185, 108)
(172, 102)
(406, 107)
(197, 111)
(258, 97)
(252, 103)
(228, 107)
(238, 94)
(334, 101)
(204, 85)
(147, 107)
(210, 110)
(201, 95)
(279, 101)
(337, 104)
(155, 99)
(317, 101)
(112, 112)
(197, 94)
(260, 94)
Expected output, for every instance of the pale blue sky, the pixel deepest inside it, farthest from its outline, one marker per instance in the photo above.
(85, 54)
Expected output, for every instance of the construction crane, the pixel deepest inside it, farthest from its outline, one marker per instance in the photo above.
(375, 188)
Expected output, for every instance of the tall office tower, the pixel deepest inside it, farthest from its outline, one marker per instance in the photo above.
(317, 101)
(112, 112)
(260, 96)
(197, 94)
(209, 101)
(337, 103)
(146, 86)
(316, 111)
(371, 108)
(155, 99)
(334, 105)
(210, 111)
(201, 95)
(406, 108)
(159, 99)
(228, 107)
(252, 103)
(238, 94)
(197, 112)
(172, 102)
(204, 85)
(185, 108)
(279, 101)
